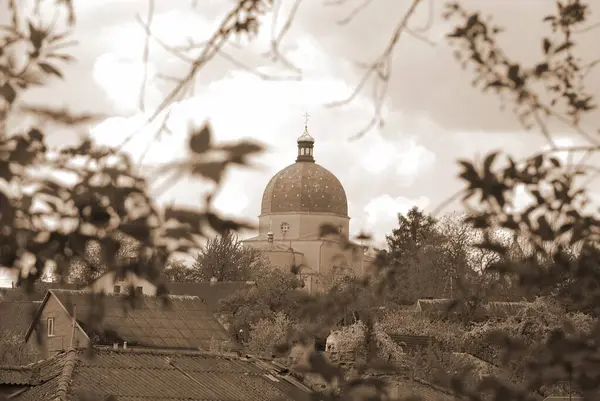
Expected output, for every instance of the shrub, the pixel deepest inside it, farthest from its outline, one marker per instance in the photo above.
(267, 333)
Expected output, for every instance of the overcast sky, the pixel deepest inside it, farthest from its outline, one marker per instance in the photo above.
(433, 115)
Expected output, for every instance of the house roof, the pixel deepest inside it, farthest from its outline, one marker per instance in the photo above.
(185, 323)
(150, 375)
(410, 341)
(491, 309)
(211, 293)
(424, 391)
(39, 291)
(17, 316)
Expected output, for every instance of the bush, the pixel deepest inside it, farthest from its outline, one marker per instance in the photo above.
(267, 333)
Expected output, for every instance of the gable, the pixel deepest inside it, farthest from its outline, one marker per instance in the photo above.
(184, 323)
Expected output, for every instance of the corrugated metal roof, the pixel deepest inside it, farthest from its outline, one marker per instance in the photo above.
(185, 322)
(16, 316)
(162, 375)
(210, 293)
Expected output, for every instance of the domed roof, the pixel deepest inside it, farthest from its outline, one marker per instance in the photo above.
(305, 186)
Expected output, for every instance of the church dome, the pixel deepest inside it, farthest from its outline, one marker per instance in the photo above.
(305, 186)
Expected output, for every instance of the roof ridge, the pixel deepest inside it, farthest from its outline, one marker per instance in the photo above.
(177, 352)
(119, 295)
(65, 378)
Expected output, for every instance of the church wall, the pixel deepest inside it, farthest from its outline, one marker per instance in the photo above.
(301, 225)
(338, 261)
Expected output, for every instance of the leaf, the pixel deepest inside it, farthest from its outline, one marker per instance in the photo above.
(328, 229)
(544, 230)
(59, 56)
(200, 140)
(50, 69)
(540, 69)
(8, 92)
(36, 37)
(495, 84)
(185, 216)
(211, 170)
(555, 161)
(513, 72)
(222, 226)
(239, 151)
(564, 46)
(489, 160)
(363, 237)
(546, 45)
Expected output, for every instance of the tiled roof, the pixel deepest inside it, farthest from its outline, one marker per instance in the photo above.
(411, 342)
(304, 187)
(184, 323)
(16, 316)
(490, 309)
(211, 293)
(144, 375)
(424, 391)
(34, 373)
(39, 291)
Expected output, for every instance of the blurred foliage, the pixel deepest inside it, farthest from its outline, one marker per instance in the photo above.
(54, 204)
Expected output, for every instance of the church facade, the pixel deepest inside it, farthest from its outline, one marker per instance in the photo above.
(296, 202)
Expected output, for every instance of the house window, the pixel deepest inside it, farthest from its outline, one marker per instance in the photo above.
(285, 227)
(117, 289)
(50, 326)
(139, 290)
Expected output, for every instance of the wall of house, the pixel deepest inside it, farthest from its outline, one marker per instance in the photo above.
(106, 283)
(63, 329)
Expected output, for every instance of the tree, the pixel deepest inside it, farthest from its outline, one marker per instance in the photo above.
(225, 258)
(276, 291)
(177, 271)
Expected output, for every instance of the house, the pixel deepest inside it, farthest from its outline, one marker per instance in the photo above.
(411, 343)
(453, 306)
(37, 293)
(150, 375)
(212, 292)
(109, 283)
(72, 319)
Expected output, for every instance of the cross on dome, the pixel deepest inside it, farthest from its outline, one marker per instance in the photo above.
(305, 144)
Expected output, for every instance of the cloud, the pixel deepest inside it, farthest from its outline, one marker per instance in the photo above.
(121, 78)
(381, 213)
(242, 105)
(405, 156)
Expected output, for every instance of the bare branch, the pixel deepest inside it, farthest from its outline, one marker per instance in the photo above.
(355, 12)
(587, 29)
(381, 66)
(277, 38)
(146, 54)
(420, 37)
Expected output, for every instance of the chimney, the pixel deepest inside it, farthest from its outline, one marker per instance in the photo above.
(124, 344)
(270, 237)
(213, 280)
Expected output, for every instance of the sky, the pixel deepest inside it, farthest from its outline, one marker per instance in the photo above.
(433, 116)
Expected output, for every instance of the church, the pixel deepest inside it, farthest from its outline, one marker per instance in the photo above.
(295, 203)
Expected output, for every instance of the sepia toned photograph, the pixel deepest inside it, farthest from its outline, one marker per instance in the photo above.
(299, 200)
